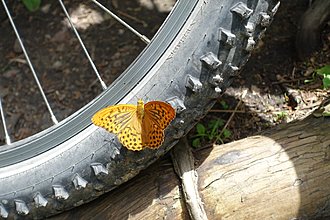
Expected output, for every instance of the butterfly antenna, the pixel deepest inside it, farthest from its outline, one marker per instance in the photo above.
(166, 88)
(136, 98)
(158, 97)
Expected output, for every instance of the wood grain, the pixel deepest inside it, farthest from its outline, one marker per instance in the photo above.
(283, 173)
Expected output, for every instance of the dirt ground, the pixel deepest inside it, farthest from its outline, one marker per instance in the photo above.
(273, 78)
(68, 80)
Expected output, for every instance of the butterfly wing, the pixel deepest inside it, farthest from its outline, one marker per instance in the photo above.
(133, 133)
(152, 137)
(114, 118)
(131, 138)
(160, 113)
(157, 116)
(123, 121)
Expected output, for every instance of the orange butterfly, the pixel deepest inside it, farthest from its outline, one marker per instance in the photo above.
(138, 126)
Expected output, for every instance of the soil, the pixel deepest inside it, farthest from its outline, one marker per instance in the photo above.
(65, 74)
(274, 79)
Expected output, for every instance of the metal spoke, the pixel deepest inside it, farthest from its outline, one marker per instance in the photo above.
(104, 86)
(141, 36)
(30, 64)
(7, 138)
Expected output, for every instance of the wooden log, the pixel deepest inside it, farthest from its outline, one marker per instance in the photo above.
(283, 173)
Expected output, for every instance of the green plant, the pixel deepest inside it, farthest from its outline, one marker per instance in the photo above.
(325, 73)
(224, 104)
(310, 80)
(32, 5)
(210, 133)
(279, 116)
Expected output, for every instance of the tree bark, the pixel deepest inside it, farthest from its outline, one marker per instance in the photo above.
(283, 173)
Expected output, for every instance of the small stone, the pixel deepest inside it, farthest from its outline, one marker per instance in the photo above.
(45, 8)
(57, 64)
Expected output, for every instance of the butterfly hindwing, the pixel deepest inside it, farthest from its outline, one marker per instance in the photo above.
(152, 137)
(157, 116)
(131, 138)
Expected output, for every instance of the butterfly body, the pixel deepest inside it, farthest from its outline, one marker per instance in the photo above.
(137, 126)
(140, 109)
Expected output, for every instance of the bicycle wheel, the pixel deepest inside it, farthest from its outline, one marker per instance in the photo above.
(189, 62)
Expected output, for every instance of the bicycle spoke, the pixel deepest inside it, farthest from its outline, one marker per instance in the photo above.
(29, 63)
(25, 49)
(141, 36)
(7, 138)
(104, 86)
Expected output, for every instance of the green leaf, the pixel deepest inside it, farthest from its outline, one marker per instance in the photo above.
(221, 122)
(226, 133)
(326, 114)
(224, 105)
(196, 142)
(215, 123)
(326, 82)
(32, 5)
(201, 130)
(200, 136)
(324, 70)
(309, 80)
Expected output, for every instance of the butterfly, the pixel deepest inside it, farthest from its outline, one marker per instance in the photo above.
(137, 126)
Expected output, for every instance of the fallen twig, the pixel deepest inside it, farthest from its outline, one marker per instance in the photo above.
(132, 18)
(233, 113)
(228, 111)
(183, 161)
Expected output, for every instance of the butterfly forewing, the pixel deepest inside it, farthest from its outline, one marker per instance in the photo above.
(160, 113)
(115, 118)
